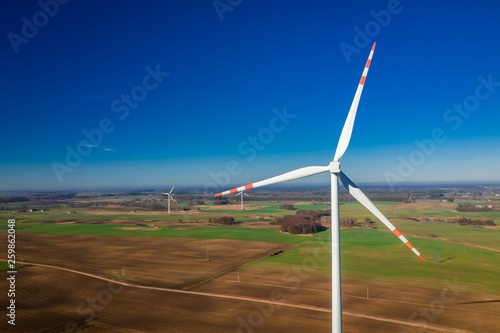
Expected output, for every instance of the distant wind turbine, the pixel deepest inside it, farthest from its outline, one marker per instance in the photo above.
(170, 197)
(241, 194)
(334, 169)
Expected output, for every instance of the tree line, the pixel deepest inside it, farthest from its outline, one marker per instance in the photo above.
(298, 224)
(315, 214)
(220, 201)
(311, 221)
(353, 222)
(476, 208)
(225, 220)
(469, 221)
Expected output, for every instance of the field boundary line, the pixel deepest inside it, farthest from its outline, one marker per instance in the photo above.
(402, 302)
(403, 322)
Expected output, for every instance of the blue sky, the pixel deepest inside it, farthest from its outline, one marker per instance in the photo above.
(184, 93)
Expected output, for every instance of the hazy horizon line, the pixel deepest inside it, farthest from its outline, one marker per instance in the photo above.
(271, 187)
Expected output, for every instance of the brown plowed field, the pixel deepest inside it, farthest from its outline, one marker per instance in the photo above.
(47, 298)
(50, 298)
(155, 261)
(445, 308)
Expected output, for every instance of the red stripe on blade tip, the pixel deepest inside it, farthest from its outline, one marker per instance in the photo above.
(234, 190)
(421, 257)
(248, 187)
(218, 194)
(396, 232)
(373, 47)
(368, 63)
(362, 81)
(409, 245)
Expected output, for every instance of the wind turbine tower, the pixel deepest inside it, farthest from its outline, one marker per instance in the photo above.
(241, 194)
(170, 197)
(334, 169)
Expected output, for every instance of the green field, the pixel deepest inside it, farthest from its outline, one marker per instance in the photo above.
(356, 210)
(375, 255)
(4, 266)
(391, 210)
(454, 233)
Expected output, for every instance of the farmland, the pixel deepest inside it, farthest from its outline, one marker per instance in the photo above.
(249, 276)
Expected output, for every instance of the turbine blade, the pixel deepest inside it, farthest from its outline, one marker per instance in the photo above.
(363, 199)
(172, 189)
(345, 136)
(296, 174)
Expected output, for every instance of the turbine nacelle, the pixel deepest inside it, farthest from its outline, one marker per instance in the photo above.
(335, 167)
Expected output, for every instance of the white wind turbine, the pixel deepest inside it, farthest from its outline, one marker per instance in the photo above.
(334, 169)
(241, 194)
(170, 197)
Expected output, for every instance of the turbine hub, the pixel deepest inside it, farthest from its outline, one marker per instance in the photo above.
(334, 167)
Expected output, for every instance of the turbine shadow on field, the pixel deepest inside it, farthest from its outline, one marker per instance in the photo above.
(481, 302)
(446, 259)
(383, 292)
